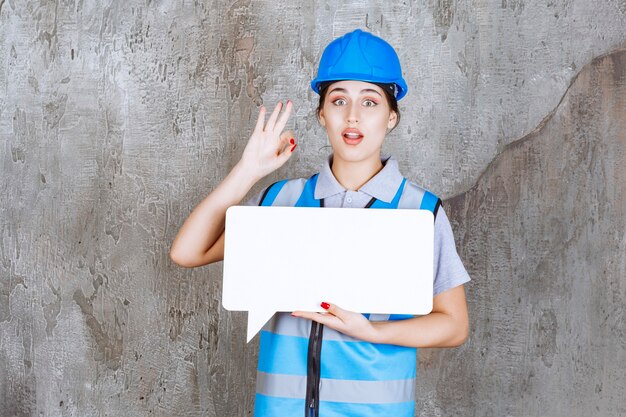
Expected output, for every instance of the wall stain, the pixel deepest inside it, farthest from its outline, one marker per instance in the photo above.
(544, 337)
(7, 286)
(109, 346)
(54, 111)
(51, 310)
(443, 15)
(32, 81)
(618, 62)
(254, 83)
(22, 133)
(19, 397)
(177, 321)
(18, 154)
(517, 6)
(27, 345)
(49, 36)
(237, 56)
(369, 25)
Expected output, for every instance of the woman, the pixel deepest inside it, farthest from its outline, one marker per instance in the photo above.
(341, 363)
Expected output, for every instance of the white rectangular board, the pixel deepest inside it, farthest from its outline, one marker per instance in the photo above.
(292, 258)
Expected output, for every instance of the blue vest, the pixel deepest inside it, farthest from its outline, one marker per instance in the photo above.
(305, 369)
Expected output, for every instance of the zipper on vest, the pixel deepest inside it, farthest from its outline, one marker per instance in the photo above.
(312, 400)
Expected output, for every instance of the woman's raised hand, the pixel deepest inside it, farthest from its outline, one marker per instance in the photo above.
(200, 240)
(269, 147)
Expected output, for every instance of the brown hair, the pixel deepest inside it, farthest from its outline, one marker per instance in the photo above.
(389, 95)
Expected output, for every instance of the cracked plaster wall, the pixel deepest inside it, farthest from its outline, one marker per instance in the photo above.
(116, 118)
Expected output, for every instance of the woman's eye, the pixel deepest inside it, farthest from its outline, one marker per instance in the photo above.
(339, 102)
(369, 103)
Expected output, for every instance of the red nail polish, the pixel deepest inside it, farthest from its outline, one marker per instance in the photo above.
(292, 141)
(294, 147)
(325, 305)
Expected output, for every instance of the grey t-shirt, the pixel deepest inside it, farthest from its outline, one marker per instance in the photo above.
(449, 271)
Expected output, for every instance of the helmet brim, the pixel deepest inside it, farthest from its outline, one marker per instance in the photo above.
(400, 83)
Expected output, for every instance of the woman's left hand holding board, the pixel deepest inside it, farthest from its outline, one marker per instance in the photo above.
(347, 322)
(446, 326)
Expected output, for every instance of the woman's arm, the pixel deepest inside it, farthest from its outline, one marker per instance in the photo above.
(446, 326)
(200, 240)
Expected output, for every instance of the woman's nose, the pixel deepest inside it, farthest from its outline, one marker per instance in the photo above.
(353, 114)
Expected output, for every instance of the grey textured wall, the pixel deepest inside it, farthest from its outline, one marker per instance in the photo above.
(116, 118)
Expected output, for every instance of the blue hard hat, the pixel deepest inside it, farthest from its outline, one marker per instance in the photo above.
(360, 56)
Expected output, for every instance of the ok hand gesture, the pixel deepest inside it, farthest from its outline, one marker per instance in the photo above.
(268, 149)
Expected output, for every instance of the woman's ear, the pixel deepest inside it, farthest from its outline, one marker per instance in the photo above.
(320, 117)
(393, 119)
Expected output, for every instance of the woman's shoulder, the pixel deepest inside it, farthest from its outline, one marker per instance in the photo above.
(415, 186)
(289, 186)
(282, 193)
(414, 194)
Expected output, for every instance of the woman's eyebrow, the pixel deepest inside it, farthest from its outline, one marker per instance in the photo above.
(343, 90)
(370, 90)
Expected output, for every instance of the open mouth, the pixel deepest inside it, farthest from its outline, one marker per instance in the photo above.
(352, 136)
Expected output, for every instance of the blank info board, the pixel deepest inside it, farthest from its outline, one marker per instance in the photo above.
(282, 259)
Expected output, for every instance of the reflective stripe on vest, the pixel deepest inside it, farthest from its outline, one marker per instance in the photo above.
(336, 390)
(357, 378)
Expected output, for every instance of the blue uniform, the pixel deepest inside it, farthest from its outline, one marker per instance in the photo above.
(343, 376)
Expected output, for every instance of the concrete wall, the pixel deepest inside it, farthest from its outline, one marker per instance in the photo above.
(116, 118)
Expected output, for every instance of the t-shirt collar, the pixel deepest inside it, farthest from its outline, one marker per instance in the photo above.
(383, 186)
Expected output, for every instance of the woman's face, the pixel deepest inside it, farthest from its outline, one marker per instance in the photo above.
(356, 116)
